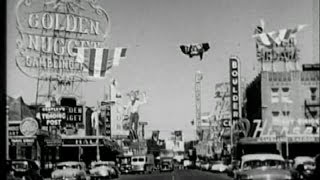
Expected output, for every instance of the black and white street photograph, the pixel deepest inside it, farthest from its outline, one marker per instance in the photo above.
(161, 90)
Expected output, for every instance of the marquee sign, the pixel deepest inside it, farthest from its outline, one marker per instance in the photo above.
(48, 32)
(279, 129)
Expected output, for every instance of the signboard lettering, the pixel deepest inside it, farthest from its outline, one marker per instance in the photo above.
(47, 38)
(234, 86)
(21, 141)
(53, 116)
(74, 114)
(297, 130)
(285, 51)
(82, 141)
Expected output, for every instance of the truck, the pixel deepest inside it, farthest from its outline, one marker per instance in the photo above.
(143, 163)
(166, 160)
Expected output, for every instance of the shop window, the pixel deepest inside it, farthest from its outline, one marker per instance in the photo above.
(274, 95)
(285, 95)
(313, 93)
(275, 113)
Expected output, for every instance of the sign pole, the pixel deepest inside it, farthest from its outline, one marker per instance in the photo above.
(7, 132)
(98, 149)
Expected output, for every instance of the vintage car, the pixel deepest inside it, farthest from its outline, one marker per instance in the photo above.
(218, 166)
(70, 170)
(304, 165)
(103, 170)
(205, 165)
(232, 167)
(262, 166)
(166, 164)
(25, 169)
(124, 164)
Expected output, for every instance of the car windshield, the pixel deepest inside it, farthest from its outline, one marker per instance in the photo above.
(310, 163)
(134, 160)
(125, 161)
(19, 165)
(141, 159)
(217, 162)
(65, 166)
(253, 164)
(100, 165)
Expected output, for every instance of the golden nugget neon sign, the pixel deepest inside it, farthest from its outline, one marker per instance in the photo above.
(50, 30)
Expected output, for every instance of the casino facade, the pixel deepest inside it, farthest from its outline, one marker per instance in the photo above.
(284, 109)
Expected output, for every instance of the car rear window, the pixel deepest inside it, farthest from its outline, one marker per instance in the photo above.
(134, 160)
(141, 159)
(19, 165)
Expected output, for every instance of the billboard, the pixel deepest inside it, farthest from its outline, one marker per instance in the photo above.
(222, 101)
(53, 116)
(46, 39)
(198, 78)
(277, 50)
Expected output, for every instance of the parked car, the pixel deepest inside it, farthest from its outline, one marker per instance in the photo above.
(232, 167)
(10, 172)
(205, 165)
(103, 170)
(262, 166)
(25, 169)
(69, 170)
(305, 166)
(218, 166)
(124, 164)
(198, 164)
(187, 164)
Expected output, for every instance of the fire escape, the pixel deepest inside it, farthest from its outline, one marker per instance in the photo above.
(312, 108)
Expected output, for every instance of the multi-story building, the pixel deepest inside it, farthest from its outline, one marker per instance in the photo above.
(284, 109)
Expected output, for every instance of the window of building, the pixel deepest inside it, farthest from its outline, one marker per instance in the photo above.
(274, 95)
(285, 113)
(275, 113)
(313, 93)
(285, 95)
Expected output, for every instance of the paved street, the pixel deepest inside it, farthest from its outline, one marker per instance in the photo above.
(178, 175)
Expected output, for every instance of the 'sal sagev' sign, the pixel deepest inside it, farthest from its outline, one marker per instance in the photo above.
(284, 52)
(49, 31)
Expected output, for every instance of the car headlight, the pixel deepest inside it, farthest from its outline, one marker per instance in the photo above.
(104, 173)
(245, 177)
(288, 177)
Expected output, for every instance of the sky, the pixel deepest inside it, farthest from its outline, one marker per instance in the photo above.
(153, 30)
